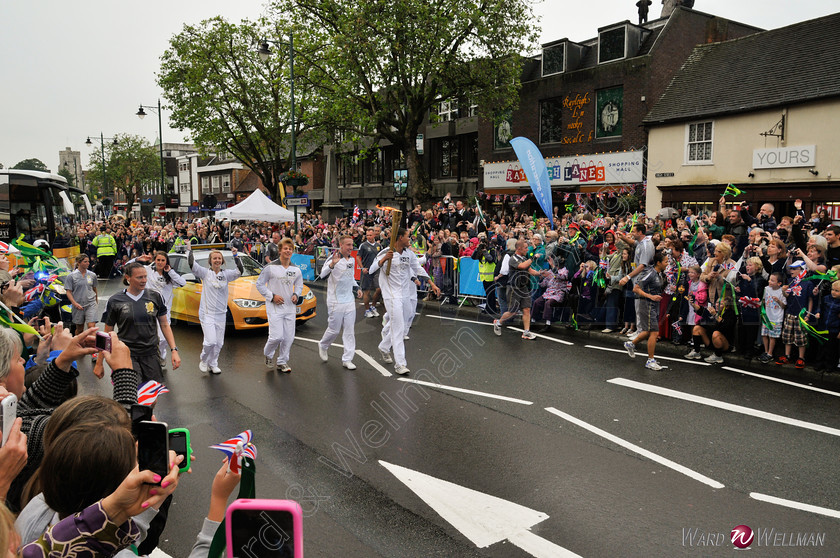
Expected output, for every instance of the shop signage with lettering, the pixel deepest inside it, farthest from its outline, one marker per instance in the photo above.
(785, 157)
(603, 168)
(577, 107)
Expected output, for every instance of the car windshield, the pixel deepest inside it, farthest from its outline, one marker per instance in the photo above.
(250, 266)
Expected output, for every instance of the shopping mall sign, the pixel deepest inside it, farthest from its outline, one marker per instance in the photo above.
(603, 168)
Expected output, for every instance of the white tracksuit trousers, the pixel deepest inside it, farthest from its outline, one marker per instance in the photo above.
(281, 333)
(342, 317)
(213, 326)
(394, 329)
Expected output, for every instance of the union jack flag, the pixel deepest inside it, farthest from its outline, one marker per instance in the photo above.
(4, 247)
(237, 447)
(148, 393)
(356, 214)
(796, 290)
(603, 264)
(677, 327)
(34, 292)
(748, 302)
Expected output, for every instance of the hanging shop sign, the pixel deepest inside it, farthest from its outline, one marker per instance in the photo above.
(785, 157)
(599, 168)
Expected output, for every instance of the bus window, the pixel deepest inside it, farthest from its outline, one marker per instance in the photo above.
(64, 227)
(28, 212)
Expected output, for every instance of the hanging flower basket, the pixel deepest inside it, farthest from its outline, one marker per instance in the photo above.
(295, 179)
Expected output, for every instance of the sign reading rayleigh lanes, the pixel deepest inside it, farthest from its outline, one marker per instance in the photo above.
(785, 157)
(603, 168)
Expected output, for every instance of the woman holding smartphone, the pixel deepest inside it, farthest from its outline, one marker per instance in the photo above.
(212, 310)
(162, 279)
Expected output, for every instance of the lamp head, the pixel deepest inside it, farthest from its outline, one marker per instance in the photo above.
(141, 113)
(264, 52)
(88, 142)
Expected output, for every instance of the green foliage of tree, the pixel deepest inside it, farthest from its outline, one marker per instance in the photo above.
(130, 164)
(68, 175)
(381, 66)
(32, 164)
(217, 86)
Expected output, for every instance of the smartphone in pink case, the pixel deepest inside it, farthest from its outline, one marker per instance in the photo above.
(264, 529)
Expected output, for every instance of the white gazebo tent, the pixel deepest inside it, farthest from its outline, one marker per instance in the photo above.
(256, 207)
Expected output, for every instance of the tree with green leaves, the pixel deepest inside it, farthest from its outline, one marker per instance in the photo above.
(131, 162)
(218, 87)
(32, 164)
(68, 176)
(381, 66)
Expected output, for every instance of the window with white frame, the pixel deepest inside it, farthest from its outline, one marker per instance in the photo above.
(205, 184)
(699, 143)
(226, 184)
(214, 181)
(448, 110)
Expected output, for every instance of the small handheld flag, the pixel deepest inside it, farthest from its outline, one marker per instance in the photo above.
(148, 393)
(237, 447)
(731, 190)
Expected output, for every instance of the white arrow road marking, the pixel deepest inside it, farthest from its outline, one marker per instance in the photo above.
(781, 381)
(796, 505)
(482, 518)
(636, 449)
(541, 336)
(725, 406)
(462, 390)
(372, 361)
(658, 357)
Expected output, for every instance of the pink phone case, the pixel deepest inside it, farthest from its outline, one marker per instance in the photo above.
(289, 506)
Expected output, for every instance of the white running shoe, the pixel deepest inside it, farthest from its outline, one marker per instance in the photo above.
(283, 367)
(405, 337)
(529, 335)
(713, 359)
(215, 370)
(203, 366)
(368, 313)
(323, 354)
(269, 362)
(631, 348)
(374, 311)
(401, 370)
(651, 364)
(606, 330)
(348, 365)
(693, 355)
(497, 327)
(386, 357)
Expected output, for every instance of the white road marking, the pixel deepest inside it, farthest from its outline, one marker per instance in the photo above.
(372, 361)
(795, 505)
(462, 390)
(725, 406)
(781, 381)
(541, 336)
(158, 553)
(644, 348)
(458, 319)
(317, 341)
(482, 518)
(636, 449)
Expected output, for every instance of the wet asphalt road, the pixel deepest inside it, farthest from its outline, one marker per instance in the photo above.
(322, 431)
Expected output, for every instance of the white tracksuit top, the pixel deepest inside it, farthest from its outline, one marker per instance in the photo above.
(404, 266)
(341, 280)
(214, 288)
(284, 281)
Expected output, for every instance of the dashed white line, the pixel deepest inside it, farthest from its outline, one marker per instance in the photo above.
(317, 341)
(725, 406)
(372, 361)
(471, 392)
(795, 505)
(563, 341)
(636, 449)
(458, 319)
(658, 357)
(781, 381)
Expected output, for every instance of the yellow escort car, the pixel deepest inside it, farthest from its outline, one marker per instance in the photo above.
(246, 306)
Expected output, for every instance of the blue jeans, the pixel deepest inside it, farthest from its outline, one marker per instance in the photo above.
(612, 302)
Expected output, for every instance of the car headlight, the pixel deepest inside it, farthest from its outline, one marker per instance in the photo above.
(248, 303)
(309, 296)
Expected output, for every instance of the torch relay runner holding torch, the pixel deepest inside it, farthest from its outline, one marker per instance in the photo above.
(401, 265)
(340, 270)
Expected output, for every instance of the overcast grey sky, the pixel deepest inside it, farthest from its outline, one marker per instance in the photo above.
(73, 69)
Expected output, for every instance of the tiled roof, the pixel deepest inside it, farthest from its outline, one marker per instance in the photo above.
(785, 66)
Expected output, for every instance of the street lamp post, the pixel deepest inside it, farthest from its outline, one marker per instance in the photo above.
(142, 114)
(264, 53)
(102, 147)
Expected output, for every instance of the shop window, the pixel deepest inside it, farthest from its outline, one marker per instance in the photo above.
(699, 143)
(551, 117)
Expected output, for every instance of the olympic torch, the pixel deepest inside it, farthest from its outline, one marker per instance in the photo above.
(396, 219)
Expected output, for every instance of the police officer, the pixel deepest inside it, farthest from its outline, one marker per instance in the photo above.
(106, 252)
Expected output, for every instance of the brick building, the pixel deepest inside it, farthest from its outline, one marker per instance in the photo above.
(583, 104)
